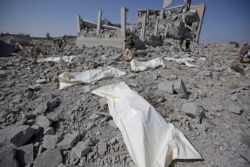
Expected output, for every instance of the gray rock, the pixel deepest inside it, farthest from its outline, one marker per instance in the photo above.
(7, 158)
(49, 131)
(41, 81)
(49, 158)
(81, 149)
(69, 140)
(112, 123)
(50, 141)
(25, 154)
(103, 101)
(43, 122)
(234, 97)
(166, 87)
(17, 135)
(41, 109)
(235, 109)
(102, 148)
(192, 109)
(54, 116)
(180, 88)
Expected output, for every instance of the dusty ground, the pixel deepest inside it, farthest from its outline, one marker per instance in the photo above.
(222, 137)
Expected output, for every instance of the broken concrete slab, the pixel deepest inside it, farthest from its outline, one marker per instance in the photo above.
(43, 121)
(233, 108)
(180, 88)
(69, 140)
(25, 154)
(192, 110)
(50, 141)
(49, 158)
(81, 149)
(17, 135)
(166, 86)
(7, 158)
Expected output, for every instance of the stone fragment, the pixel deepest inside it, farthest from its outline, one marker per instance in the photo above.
(17, 135)
(180, 88)
(50, 141)
(69, 140)
(43, 122)
(235, 109)
(103, 101)
(102, 148)
(7, 158)
(49, 158)
(54, 116)
(202, 93)
(25, 154)
(41, 81)
(112, 123)
(192, 109)
(41, 109)
(53, 104)
(81, 149)
(166, 87)
(49, 131)
(234, 97)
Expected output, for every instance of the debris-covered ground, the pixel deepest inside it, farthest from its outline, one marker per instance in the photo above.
(44, 126)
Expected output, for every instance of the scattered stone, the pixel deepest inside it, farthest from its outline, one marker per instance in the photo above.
(17, 135)
(166, 87)
(49, 158)
(41, 81)
(49, 131)
(102, 148)
(103, 101)
(112, 123)
(50, 141)
(69, 140)
(192, 109)
(41, 109)
(235, 109)
(43, 122)
(234, 97)
(7, 158)
(180, 88)
(202, 93)
(81, 149)
(25, 154)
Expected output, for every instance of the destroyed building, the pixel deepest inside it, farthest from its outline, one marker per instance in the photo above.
(151, 28)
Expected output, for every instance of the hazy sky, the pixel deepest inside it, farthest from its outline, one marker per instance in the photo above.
(225, 20)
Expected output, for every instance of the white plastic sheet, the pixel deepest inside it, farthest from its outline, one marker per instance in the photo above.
(150, 140)
(145, 65)
(67, 79)
(186, 61)
(57, 59)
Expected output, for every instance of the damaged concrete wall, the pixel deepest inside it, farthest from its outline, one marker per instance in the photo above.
(175, 21)
(102, 32)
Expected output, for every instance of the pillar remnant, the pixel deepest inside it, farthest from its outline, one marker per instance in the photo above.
(99, 19)
(156, 27)
(143, 28)
(123, 21)
(78, 24)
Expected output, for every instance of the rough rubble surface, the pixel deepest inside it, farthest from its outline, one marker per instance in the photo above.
(210, 107)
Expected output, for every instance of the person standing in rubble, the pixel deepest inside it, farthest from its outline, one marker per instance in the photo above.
(60, 43)
(184, 35)
(244, 51)
(129, 44)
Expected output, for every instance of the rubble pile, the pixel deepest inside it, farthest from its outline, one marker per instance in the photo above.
(41, 125)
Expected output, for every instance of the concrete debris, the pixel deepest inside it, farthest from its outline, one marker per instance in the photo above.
(235, 109)
(25, 155)
(69, 140)
(166, 87)
(17, 135)
(43, 122)
(7, 158)
(102, 148)
(50, 141)
(192, 109)
(49, 158)
(81, 149)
